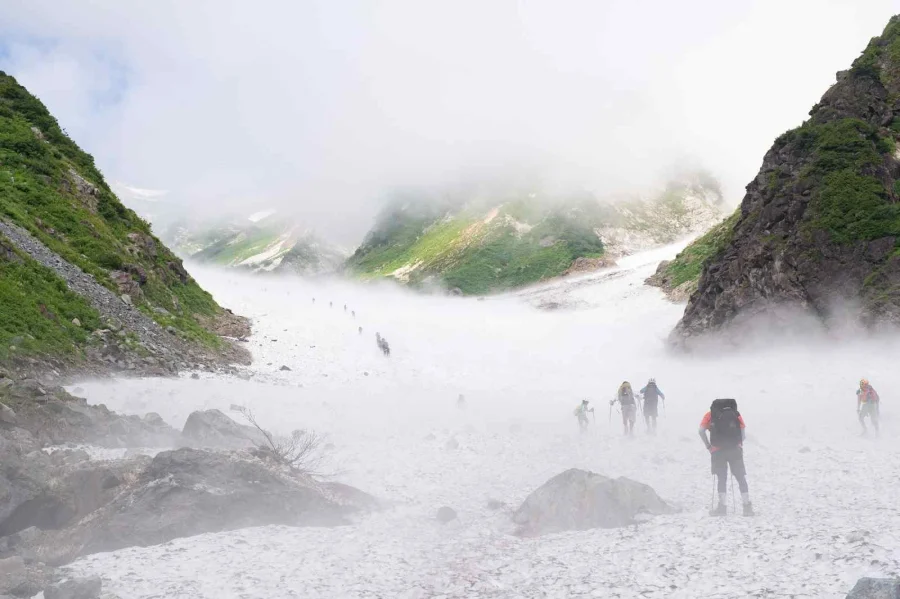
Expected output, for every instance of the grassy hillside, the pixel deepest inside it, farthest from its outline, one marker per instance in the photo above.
(53, 189)
(481, 243)
(479, 251)
(38, 313)
(683, 272)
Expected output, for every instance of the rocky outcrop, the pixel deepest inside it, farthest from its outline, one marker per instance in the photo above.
(581, 500)
(189, 492)
(875, 588)
(53, 417)
(212, 428)
(818, 229)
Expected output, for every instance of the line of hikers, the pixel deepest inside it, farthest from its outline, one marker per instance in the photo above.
(722, 430)
(628, 406)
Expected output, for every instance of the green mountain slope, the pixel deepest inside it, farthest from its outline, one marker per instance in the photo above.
(270, 243)
(482, 243)
(51, 188)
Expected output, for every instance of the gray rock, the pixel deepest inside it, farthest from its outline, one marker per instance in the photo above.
(876, 588)
(581, 500)
(22, 579)
(284, 368)
(75, 588)
(7, 415)
(189, 492)
(212, 428)
(451, 443)
(445, 514)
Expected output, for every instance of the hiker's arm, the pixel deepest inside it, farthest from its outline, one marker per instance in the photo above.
(661, 394)
(704, 438)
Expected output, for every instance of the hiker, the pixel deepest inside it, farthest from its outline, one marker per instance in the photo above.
(330, 304)
(314, 300)
(345, 307)
(625, 397)
(725, 444)
(353, 313)
(651, 394)
(867, 404)
(581, 413)
(461, 401)
(385, 347)
(360, 330)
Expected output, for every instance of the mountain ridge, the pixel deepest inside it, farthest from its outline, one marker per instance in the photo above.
(817, 231)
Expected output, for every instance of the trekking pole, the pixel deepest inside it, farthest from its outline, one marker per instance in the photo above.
(712, 497)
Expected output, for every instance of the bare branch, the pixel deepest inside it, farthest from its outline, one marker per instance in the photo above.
(301, 451)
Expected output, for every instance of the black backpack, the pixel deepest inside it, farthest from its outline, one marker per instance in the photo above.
(725, 424)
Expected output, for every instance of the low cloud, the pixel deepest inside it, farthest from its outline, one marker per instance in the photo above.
(320, 108)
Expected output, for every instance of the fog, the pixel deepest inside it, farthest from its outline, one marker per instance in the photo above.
(320, 108)
(819, 487)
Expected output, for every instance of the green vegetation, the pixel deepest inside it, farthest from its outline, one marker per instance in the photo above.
(37, 309)
(518, 243)
(54, 190)
(689, 263)
(847, 199)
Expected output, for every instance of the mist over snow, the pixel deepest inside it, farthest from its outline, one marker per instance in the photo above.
(320, 108)
(826, 497)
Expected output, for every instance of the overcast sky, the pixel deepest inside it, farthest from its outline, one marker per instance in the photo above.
(320, 107)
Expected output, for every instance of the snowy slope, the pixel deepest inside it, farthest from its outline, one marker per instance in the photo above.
(827, 497)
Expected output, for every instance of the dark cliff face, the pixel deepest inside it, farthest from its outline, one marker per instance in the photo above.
(819, 226)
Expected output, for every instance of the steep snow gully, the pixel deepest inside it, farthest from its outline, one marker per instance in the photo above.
(827, 497)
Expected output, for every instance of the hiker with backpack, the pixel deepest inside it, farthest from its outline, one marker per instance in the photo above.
(867, 404)
(625, 397)
(725, 444)
(651, 394)
(581, 413)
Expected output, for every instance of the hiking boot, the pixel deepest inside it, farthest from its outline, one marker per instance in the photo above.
(719, 511)
(748, 509)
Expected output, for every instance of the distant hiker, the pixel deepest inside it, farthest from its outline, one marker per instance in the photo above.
(725, 444)
(353, 313)
(345, 307)
(867, 404)
(314, 300)
(581, 413)
(461, 401)
(360, 330)
(329, 304)
(651, 394)
(625, 397)
(383, 344)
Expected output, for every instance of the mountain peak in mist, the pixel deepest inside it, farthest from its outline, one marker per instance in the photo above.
(818, 230)
(479, 240)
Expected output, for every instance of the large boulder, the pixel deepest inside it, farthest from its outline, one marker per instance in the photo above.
(581, 500)
(189, 492)
(213, 428)
(876, 588)
(51, 491)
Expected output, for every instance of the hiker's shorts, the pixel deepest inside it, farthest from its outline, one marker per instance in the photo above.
(628, 412)
(870, 409)
(728, 458)
(651, 408)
